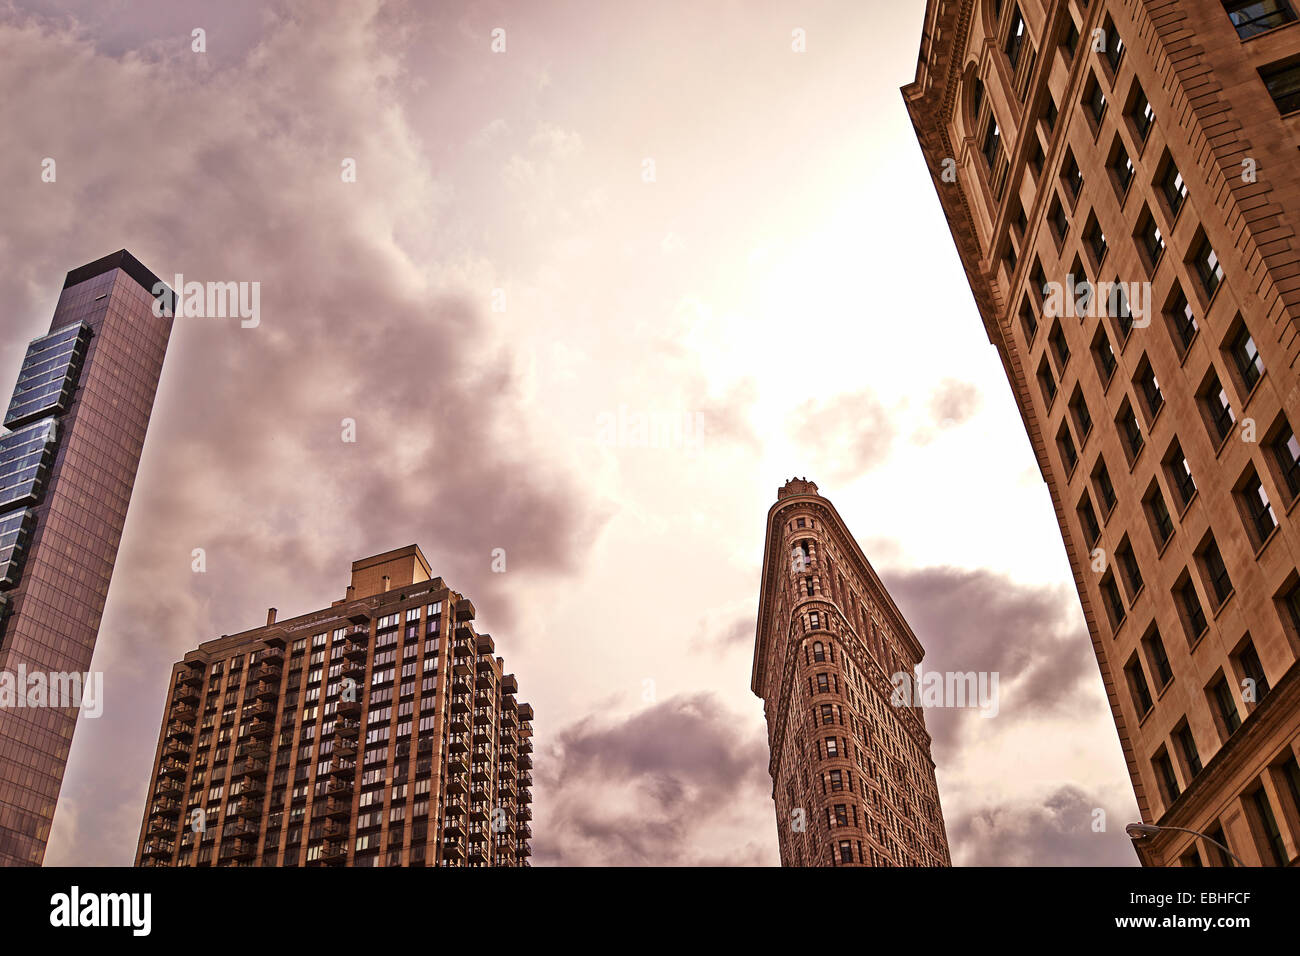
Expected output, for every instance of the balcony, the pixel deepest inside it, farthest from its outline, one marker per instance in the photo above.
(347, 728)
(185, 694)
(360, 629)
(524, 848)
(349, 708)
(160, 826)
(171, 767)
(250, 766)
(259, 709)
(266, 690)
(260, 728)
(453, 827)
(525, 761)
(507, 720)
(340, 787)
(339, 807)
(524, 781)
(523, 813)
(253, 787)
(240, 829)
(509, 685)
(266, 671)
(484, 666)
(465, 610)
(483, 644)
(176, 750)
(458, 743)
(481, 773)
(508, 702)
(249, 809)
(345, 748)
(180, 730)
(453, 849)
(456, 764)
(157, 849)
(455, 806)
(525, 728)
(525, 711)
(355, 650)
(184, 714)
(460, 667)
(456, 785)
(482, 733)
(524, 832)
(353, 670)
(334, 851)
(253, 748)
(238, 850)
(170, 787)
(343, 769)
(191, 676)
(460, 704)
(165, 807)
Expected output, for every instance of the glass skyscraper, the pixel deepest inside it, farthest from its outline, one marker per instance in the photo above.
(74, 432)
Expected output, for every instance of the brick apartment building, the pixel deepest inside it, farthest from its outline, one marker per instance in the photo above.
(1154, 145)
(381, 731)
(852, 777)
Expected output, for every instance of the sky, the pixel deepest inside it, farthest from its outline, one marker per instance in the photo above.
(658, 212)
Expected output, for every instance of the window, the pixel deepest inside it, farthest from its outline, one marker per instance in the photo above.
(1060, 223)
(846, 851)
(1028, 321)
(1114, 45)
(1070, 39)
(1128, 566)
(1253, 17)
(1141, 113)
(1115, 611)
(1187, 744)
(837, 779)
(1283, 83)
(1155, 647)
(1205, 261)
(1162, 526)
(1218, 408)
(1088, 521)
(1096, 240)
(1252, 669)
(1149, 387)
(1182, 322)
(1072, 176)
(1225, 707)
(1050, 113)
(1216, 571)
(832, 747)
(1046, 382)
(1065, 442)
(1189, 606)
(1174, 188)
(992, 143)
(1103, 355)
(1153, 242)
(1164, 768)
(1256, 508)
(1291, 773)
(1245, 356)
(1180, 474)
(1130, 432)
(1274, 846)
(1060, 347)
(1015, 38)
(1105, 490)
(1118, 306)
(1095, 100)
(1079, 409)
(1137, 683)
(1221, 838)
(1121, 166)
(1286, 452)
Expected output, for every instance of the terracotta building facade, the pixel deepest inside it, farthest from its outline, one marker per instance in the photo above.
(381, 731)
(852, 777)
(73, 434)
(1122, 182)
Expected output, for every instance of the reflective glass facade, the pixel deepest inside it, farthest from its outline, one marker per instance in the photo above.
(75, 429)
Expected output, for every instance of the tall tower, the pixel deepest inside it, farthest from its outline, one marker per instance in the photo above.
(74, 432)
(380, 731)
(1122, 184)
(851, 772)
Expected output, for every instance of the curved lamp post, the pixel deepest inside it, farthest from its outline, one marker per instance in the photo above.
(1142, 831)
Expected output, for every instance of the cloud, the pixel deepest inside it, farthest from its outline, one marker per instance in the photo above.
(673, 785)
(849, 434)
(977, 620)
(954, 402)
(1058, 831)
(246, 457)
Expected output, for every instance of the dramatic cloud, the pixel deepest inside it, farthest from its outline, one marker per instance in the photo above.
(1034, 638)
(676, 784)
(1062, 830)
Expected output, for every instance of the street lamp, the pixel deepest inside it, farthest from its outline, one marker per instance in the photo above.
(1142, 831)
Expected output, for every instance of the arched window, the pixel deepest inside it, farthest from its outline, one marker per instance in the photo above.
(819, 652)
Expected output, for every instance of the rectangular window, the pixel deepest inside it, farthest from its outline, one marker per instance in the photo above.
(1225, 704)
(1115, 607)
(1137, 682)
(1286, 451)
(1193, 614)
(1015, 38)
(1141, 113)
(1253, 17)
(1187, 743)
(1174, 187)
(1206, 263)
(1164, 768)
(1180, 473)
(1274, 846)
(1216, 571)
(1129, 568)
(1246, 357)
(1253, 670)
(1182, 322)
(1257, 508)
(1283, 83)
